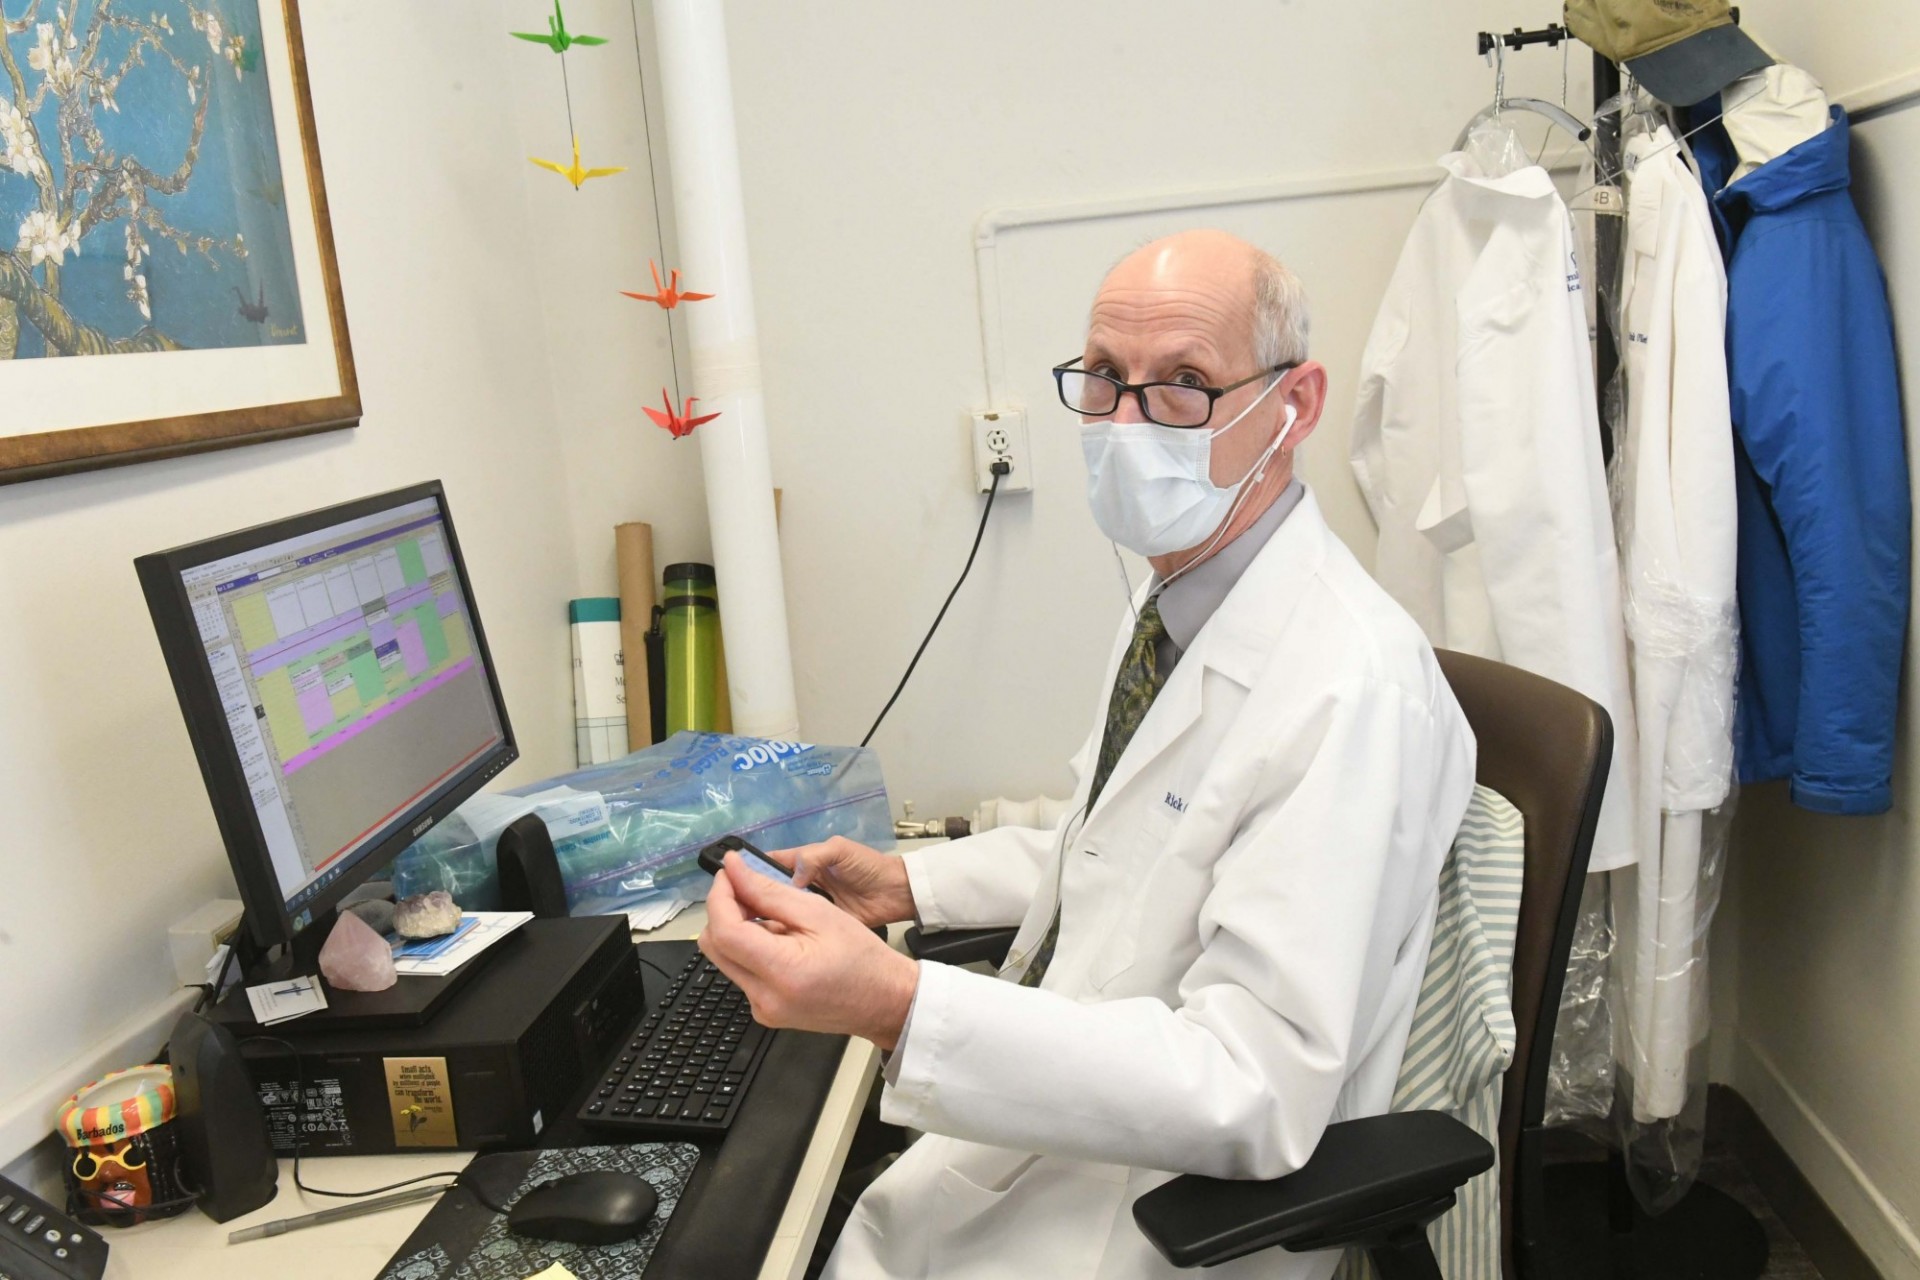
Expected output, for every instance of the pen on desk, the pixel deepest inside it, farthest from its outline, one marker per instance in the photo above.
(284, 1225)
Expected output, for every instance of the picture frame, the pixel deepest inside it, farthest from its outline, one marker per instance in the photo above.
(168, 279)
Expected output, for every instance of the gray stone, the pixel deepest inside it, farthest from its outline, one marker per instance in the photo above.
(377, 914)
(426, 915)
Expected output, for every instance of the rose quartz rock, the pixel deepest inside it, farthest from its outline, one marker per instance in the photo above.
(355, 958)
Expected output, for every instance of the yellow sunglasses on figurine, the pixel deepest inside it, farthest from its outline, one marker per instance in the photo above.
(88, 1164)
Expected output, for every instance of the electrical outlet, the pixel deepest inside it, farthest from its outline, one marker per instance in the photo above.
(1002, 433)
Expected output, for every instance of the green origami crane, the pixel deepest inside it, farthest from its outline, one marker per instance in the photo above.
(558, 38)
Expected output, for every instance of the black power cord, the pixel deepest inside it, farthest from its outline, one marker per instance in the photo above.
(1001, 467)
(299, 1114)
(462, 1178)
(657, 969)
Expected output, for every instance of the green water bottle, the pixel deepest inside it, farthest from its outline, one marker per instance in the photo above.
(690, 625)
(691, 578)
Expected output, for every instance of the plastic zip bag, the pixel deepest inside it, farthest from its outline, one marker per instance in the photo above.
(627, 833)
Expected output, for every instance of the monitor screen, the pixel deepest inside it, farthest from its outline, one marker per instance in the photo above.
(351, 686)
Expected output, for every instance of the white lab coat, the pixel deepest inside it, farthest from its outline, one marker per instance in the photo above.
(1477, 445)
(1678, 537)
(1248, 912)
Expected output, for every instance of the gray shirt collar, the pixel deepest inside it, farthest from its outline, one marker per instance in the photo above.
(1189, 600)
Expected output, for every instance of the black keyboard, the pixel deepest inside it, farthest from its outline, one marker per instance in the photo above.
(684, 1067)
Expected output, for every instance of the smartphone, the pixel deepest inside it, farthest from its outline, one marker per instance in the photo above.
(712, 856)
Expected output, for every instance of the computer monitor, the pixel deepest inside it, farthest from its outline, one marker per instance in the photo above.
(338, 692)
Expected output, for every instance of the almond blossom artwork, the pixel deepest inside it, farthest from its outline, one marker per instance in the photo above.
(141, 199)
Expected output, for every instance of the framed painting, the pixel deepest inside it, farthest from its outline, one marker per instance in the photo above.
(167, 273)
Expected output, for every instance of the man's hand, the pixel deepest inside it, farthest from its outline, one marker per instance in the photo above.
(871, 886)
(802, 961)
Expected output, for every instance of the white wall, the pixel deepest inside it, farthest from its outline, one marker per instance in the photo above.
(609, 352)
(872, 137)
(1825, 915)
(488, 357)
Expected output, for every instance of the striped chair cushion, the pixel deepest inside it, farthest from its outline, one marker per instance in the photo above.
(1463, 1035)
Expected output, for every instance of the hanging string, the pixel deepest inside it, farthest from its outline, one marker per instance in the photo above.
(653, 185)
(567, 85)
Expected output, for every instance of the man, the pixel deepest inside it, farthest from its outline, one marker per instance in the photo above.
(1220, 950)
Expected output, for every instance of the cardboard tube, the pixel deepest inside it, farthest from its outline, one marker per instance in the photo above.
(633, 553)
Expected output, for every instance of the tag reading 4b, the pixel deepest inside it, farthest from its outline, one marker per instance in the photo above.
(421, 1097)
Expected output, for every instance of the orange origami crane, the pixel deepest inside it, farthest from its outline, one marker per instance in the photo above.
(667, 297)
(677, 424)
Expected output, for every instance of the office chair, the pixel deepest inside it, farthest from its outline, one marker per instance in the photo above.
(1378, 1182)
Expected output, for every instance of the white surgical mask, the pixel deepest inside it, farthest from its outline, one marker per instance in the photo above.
(1151, 487)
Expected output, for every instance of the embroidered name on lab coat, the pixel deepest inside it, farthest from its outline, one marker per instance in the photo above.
(1175, 803)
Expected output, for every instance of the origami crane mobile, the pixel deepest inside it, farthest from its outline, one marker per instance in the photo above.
(669, 296)
(574, 173)
(681, 423)
(558, 38)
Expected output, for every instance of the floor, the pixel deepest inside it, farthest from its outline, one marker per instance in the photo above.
(1710, 1236)
(1786, 1260)
(1720, 1168)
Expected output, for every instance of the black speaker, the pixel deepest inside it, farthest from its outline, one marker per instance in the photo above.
(224, 1146)
(530, 870)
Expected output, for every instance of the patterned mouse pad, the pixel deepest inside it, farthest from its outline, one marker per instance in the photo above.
(459, 1240)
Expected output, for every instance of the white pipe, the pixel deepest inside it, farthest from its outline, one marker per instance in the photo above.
(987, 229)
(1881, 97)
(697, 92)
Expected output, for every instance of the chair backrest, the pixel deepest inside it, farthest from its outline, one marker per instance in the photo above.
(1546, 749)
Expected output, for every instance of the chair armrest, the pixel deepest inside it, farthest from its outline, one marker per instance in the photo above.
(960, 946)
(1366, 1178)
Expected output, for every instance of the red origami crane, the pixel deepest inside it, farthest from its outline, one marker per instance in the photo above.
(667, 296)
(677, 424)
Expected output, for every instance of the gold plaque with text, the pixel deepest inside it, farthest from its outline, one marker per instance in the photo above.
(421, 1097)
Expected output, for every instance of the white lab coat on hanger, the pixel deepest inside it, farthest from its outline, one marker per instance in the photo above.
(1476, 442)
(1248, 913)
(1678, 534)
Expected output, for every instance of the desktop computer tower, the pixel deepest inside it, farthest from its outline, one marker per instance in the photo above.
(492, 1068)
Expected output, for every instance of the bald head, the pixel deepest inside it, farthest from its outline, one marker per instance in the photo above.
(1261, 307)
(1207, 309)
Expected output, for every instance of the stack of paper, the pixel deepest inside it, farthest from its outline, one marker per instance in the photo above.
(438, 957)
(652, 915)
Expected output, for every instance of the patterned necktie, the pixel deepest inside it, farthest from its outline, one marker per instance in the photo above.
(1136, 685)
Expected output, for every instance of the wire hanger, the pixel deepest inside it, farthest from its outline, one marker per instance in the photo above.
(1557, 115)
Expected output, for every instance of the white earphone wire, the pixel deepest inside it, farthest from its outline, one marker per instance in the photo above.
(1247, 486)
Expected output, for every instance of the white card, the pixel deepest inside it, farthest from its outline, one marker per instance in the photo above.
(289, 998)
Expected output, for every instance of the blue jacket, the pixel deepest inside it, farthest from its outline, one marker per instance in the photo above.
(1820, 473)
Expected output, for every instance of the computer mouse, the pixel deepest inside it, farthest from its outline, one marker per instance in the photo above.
(599, 1207)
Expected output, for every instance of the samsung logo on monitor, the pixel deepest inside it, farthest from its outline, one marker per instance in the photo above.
(420, 826)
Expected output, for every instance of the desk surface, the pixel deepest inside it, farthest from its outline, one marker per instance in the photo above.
(193, 1246)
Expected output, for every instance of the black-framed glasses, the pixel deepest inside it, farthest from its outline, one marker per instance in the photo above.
(1167, 404)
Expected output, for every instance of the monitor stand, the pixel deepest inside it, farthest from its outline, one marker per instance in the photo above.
(410, 1002)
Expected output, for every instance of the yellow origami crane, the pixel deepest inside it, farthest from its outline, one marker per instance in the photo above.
(574, 173)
